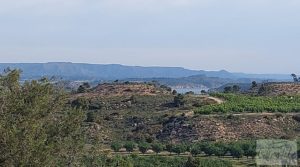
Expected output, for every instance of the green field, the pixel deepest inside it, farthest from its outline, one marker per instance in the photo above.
(238, 103)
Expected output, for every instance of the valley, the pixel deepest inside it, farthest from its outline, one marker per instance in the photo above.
(133, 123)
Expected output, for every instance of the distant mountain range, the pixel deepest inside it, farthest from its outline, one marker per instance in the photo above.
(79, 71)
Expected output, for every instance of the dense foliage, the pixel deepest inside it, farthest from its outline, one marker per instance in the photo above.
(247, 103)
(154, 161)
(37, 128)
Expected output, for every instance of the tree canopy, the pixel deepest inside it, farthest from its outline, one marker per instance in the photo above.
(37, 127)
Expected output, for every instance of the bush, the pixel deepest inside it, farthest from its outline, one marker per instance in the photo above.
(90, 117)
(80, 103)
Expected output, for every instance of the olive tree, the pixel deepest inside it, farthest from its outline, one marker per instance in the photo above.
(37, 126)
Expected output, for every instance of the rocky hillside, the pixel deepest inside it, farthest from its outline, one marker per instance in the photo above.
(187, 128)
(125, 89)
(228, 128)
(139, 111)
(280, 88)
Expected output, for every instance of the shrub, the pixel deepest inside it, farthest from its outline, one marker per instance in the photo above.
(90, 116)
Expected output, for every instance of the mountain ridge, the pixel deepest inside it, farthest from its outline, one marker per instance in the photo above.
(74, 71)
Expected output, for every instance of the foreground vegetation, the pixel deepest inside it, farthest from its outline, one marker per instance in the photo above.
(154, 161)
(247, 103)
(37, 128)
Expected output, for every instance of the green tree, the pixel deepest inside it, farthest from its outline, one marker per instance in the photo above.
(157, 147)
(37, 127)
(295, 78)
(236, 88)
(249, 149)
(196, 149)
(169, 147)
(179, 100)
(116, 146)
(209, 149)
(236, 151)
(143, 147)
(178, 149)
(129, 146)
(228, 89)
(220, 149)
(254, 84)
(83, 88)
(86, 85)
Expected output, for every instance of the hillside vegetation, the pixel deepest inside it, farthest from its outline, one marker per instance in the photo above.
(42, 125)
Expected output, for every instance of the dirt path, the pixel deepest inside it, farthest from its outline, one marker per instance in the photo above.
(218, 100)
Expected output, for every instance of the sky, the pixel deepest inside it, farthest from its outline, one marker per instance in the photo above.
(252, 36)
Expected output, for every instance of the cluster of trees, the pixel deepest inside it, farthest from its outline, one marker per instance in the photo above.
(295, 78)
(37, 126)
(247, 103)
(84, 87)
(143, 146)
(167, 88)
(220, 149)
(232, 89)
(236, 150)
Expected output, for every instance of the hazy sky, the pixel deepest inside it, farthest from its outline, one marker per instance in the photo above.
(256, 36)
